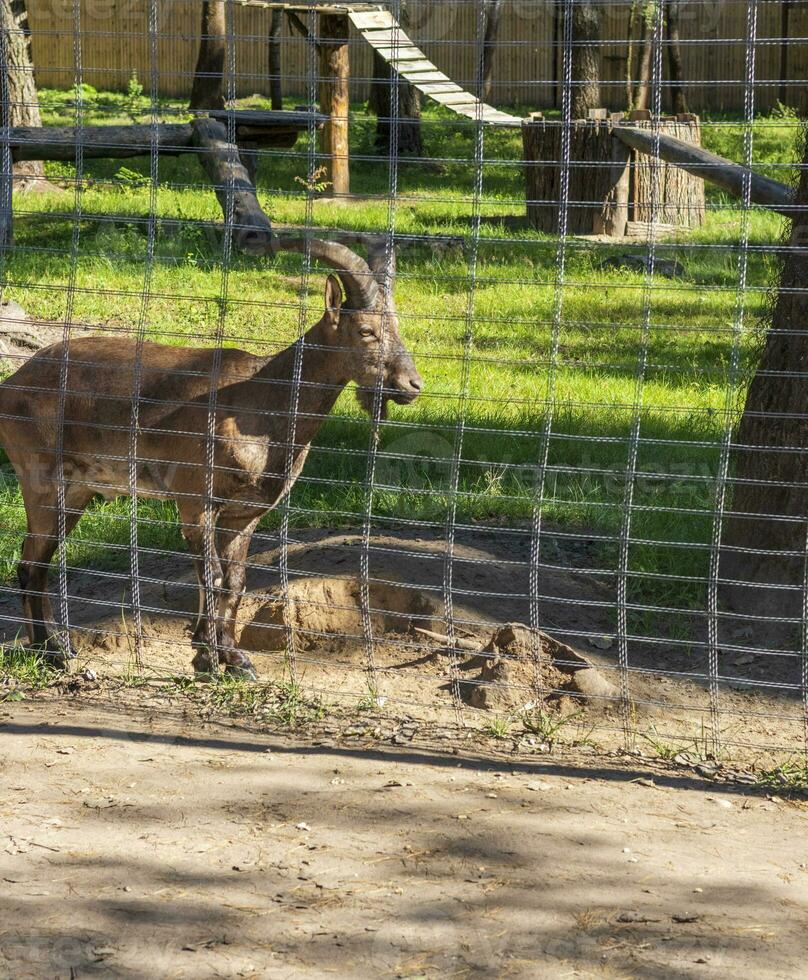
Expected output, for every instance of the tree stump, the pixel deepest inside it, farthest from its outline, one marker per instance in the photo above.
(679, 196)
(609, 184)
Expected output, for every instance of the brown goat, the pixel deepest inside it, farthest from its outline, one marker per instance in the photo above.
(268, 411)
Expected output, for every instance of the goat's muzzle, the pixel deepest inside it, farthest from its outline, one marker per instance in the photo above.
(404, 384)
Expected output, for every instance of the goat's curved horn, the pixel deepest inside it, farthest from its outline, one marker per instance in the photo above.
(361, 288)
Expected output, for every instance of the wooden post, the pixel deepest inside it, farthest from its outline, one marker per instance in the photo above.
(275, 64)
(6, 168)
(334, 77)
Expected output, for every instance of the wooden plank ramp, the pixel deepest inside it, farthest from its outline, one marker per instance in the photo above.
(384, 34)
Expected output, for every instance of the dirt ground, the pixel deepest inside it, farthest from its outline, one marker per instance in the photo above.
(138, 844)
(761, 711)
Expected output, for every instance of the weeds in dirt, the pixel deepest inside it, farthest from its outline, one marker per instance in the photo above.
(791, 775)
(284, 704)
(371, 700)
(546, 725)
(498, 728)
(292, 707)
(663, 749)
(21, 667)
(698, 749)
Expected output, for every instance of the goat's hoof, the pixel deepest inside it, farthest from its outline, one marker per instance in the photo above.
(241, 672)
(202, 663)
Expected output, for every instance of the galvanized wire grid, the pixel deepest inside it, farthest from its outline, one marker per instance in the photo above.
(561, 510)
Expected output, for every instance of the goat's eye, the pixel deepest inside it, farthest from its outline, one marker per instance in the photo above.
(367, 332)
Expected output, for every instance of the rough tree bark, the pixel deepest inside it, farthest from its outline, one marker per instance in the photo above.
(585, 58)
(410, 142)
(675, 70)
(207, 91)
(493, 10)
(23, 102)
(763, 546)
(643, 92)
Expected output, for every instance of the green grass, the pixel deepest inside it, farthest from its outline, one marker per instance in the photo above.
(514, 352)
(21, 667)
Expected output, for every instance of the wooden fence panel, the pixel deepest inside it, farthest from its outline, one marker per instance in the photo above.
(114, 45)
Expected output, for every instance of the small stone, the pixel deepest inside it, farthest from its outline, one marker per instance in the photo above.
(302, 826)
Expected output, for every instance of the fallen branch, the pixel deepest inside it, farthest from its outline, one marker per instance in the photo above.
(21, 337)
(263, 129)
(252, 231)
(458, 643)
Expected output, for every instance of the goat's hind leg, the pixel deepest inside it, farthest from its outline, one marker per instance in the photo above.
(39, 546)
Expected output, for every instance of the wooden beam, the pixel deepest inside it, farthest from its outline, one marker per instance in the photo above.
(252, 231)
(334, 76)
(729, 176)
(100, 142)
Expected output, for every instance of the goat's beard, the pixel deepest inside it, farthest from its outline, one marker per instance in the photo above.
(367, 397)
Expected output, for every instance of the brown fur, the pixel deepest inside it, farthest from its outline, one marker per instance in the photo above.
(261, 418)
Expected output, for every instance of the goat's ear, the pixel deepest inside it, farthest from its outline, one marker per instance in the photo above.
(333, 300)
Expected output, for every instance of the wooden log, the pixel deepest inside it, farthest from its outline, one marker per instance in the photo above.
(100, 142)
(725, 174)
(21, 336)
(334, 78)
(252, 231)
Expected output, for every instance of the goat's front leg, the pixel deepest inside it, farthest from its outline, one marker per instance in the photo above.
(233, 538)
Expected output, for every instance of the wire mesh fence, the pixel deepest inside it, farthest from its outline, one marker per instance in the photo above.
(471, 398)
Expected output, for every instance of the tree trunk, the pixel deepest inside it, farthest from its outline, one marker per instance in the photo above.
(207, 91)
(678, 100)
(585, 58)
(643, 92)
(493, 9)
(275, 65)
(629, 73)
(764, 537)
(23, 102)
(410, 142)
